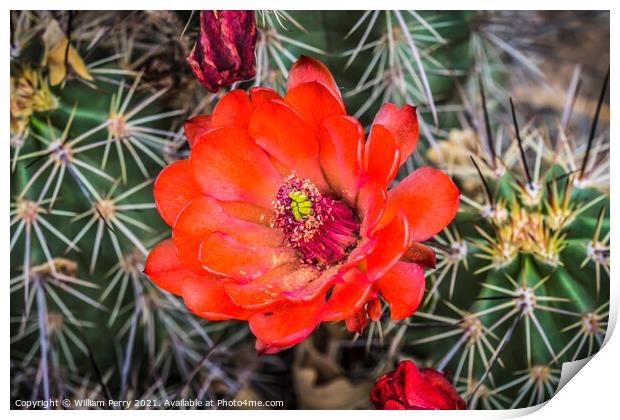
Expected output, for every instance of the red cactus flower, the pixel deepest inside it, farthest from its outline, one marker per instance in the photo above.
(282, 216)
(224, 50)
(408, 388)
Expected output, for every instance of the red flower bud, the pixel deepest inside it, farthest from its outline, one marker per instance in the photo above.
(408, 388)
(224, 50)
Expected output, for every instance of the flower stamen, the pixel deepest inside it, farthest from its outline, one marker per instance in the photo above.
(320, 228)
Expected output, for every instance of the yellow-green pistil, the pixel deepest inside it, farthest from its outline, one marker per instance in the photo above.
(301, 206)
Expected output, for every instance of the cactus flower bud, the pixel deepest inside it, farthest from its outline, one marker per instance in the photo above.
(224, 50)
(408, 388)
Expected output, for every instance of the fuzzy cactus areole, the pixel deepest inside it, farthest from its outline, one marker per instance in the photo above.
(283, 216)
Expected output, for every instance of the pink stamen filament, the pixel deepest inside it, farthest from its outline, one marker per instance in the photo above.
(324, 235)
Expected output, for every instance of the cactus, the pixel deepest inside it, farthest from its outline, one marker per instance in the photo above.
(530, 258)
(98, 100)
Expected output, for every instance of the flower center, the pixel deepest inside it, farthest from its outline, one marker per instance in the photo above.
(322, 229)
(301, 206)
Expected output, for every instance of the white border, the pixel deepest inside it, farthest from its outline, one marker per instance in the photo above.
(593, 396)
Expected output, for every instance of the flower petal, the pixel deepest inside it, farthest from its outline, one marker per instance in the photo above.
(371, 202)
(205, 296)
(373, 309)
(223, 255)
(341, 142)
(393, 405)
(233, 109)
(403, 123)
(322, 281)
(402, 287)
(286, 324)
(282, 133)
(357, 322)
(164, 267)
(307, 69)
(348, 297)
(196, 127)
(430, 201)
(204, 216)
(264, 348)
(314, 102)
(421, 393)
(381, 155)
(228, 165)
(269, 288)
(392, 242)
(247, 211)
(174, 188)
(447, 396)
(260, 94)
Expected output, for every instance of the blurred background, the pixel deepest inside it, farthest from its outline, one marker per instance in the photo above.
(98, 100)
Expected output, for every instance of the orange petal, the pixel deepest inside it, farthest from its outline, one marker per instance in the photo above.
(204, 216)
(164, 267)
(205, 296)
(282, 133)
(307, 69)
(286, 324)
(371, 202)
(260, 94)
(223, 255)
(247, 211)
(373, 309)
(430, 201)
(196, 127)
(403, 123)
(317, 285)
(403, 288)
(357, 322)
(228, 165)
(341, 142)
(381, 155)
(392, 241)
(269, 288)
(314, 102)
(348, 297)
(174, 188)
(233, 109)
(264, 348)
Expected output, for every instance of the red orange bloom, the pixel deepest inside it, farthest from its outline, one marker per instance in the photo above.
(282, 216)
(408, 388)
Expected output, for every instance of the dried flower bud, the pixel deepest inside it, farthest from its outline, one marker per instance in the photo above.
(224, 50)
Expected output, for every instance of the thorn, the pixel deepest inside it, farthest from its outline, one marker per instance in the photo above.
(196, 370)
(432, 324)
(93, 362)
(594, 123)
(487, 124)
(495, 355)
(38, 159)
(495, 297)
(88, 196)
(484, 182)
(520, 142)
